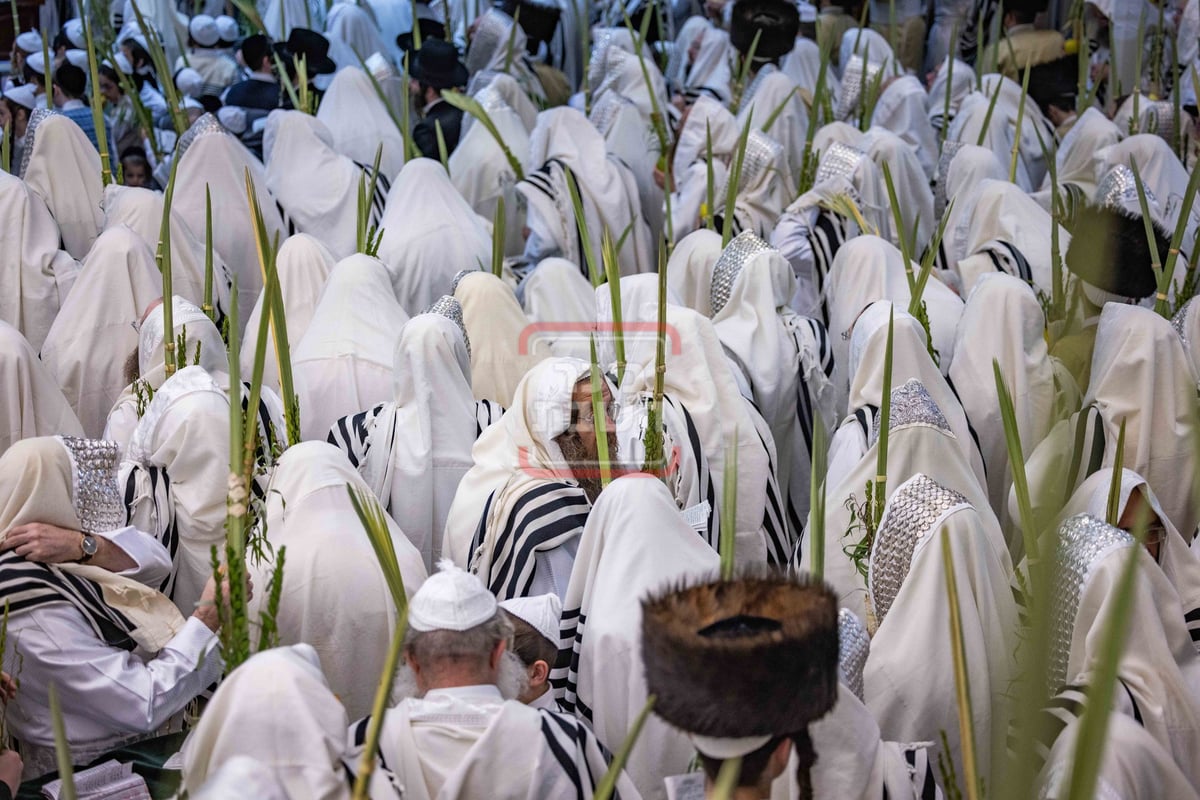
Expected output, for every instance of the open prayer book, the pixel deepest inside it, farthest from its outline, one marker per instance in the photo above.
(111, 780)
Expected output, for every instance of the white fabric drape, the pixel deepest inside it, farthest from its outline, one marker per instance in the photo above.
(561, 302)
(359, 121)
(690, 268)
(32, 405)
(63, 168)
(504, 343)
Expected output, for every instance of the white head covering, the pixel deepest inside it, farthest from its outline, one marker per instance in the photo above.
(1077, 154)
(242, 778)
(901, 109)
(867, 44)
(283, 16)
(690, 268)
(770, 90)
(958, 175)
(277, 709)
(359, 121)
(61, 166)
(203, 30)
(541, 612)
(963, 84)
(91, 338)
(33, 405)
(22, 95)
(452, 599)
(30, 42)
(910, 178)
(710, 70)
(495, 32)
(1187, 324)
(317, 186)
(616, 567)
(504, 343)
(343, 363)
(910, 665)
(968, 124)
(334, 595)
(562, 303)
(430, 234)
(37, 274)
(1164, 176)
(353, 26)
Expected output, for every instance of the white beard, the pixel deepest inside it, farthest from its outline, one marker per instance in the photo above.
(511, 680)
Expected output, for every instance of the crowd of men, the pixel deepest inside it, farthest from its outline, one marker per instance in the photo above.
(744, 399)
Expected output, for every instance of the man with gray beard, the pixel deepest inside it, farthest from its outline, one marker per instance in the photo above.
(459, 730)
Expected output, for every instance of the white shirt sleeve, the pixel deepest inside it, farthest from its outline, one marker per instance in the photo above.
(790, 238)
(153, 560)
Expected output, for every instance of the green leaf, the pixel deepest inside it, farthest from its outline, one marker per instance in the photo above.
(898, 221)
(585, 238)
(727, 779)
(962, 680)
(498, 231)
(731, 185)
(1148, 222)
(97, 104)
(885, 425)
(1185, 216)
(443, 156)
(612, 274)
(608, 783)
(816, 493)
(163, 257)
(600, 419)
(1016, 462)
(62, 748)
(470, 105)
(1016, 147)
(728, 550)
(987, 118)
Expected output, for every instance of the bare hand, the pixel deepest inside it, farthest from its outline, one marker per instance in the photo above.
(45, 544)
(11, 766)
(206, 608)
(8, 687)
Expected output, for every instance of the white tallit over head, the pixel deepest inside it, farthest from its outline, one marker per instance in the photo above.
(1158, 667)
(33, 405)
(422, 441)
(1077, 154)
(343, 363)
(242, 778)
(615, 568)
(334, 596)
(704, 117)
(215, 159)
(869, 45)
(968, 166)
(1001, 130)
(302, 266)
(505, 344)
(430, 234)
(93, 335)
(1186, 323)
(847, 170)
(1162, 173)
(282, 16)
(359, 121)
(773, 91)
(562, 302)
(37, 275)
(910, 664)
(1003, 322)
(962, 84)
(803, 66)
(690, 268)
(620, 72)
(278, 709)
(910, 176)
(61, 166)
(710, 71)
(901, 110)
(356, 28)
(141, 209)
(316, 185)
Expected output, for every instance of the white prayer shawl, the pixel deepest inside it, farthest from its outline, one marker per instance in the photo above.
(868, 44)
(1161, 171)
(1140, 375)
(901, 110)
(1076, 157)
(773, 91)
(1158, 669)
(968, 167)
(711, 71)
(803, 66)
(359, 122)
(690, 269)
(343, 363)
(968, 124)
(282, 16)
(430, 234)
(32, 405)
(189, 321)
(141, 209)
(1001, 228)
(302, 265)
(920, 442)
(242, 778)
(1003, 322)
(962, 84)
(690, 33)
(356, 28)
(505, 344)
(317, 186)
(615, 568)
(278, 709)
(620, 72)
(334, 596)
(911, 665)
(93, 335)
(215, 159)
(1123, 17)
(910, 176)
(61, 166)
(763, 187)
(705, 118)
(495, 35)
(1187, 324)
(561, 302)
(629, 138)
(37, 275)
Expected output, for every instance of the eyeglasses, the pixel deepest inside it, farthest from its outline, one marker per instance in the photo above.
(583, 413)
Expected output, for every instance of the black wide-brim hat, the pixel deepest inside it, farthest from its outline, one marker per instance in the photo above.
(778, 21)
(315, 49)
(429, 28)
(1110, 251)
(539, 19)
(437, 65)
(756, 656)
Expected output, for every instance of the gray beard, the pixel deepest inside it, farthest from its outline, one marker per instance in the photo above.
(512, 680)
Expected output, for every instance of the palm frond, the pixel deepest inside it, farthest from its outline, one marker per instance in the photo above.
(607, 785)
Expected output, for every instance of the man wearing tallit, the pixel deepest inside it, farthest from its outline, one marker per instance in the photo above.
(459, 732)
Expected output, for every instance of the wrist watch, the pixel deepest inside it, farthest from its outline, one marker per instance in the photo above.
(89, 547)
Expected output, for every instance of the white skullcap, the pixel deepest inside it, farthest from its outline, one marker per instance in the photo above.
(451, 599)
(189, 82)
(719, 748)
(203, 30)
(808, 12)
(187, 101)
(78, 58)
(23, 95)
(36, 63)
(233, 118)
(30, 42)
(122, 63)
(227, 28)
(73, 30)
(541, 612)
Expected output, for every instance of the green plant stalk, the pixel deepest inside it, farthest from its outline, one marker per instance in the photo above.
(369, 200)
(443, 156)
(1113, 511)
(286, 81)
(207, 303)
(655, 455)
(145, 119)
(97, 105)
(987, 118)
(512, 41)
(582, 13)
(16, 19)
(416, 29)
(727, 779)
(770, 121)
(1083, 97)
(612, 274)
(250, 12)
(656, 120)
(962, 679)
(927, 259)
(383, 692)
(1089, 746)
(163, 257)
(1148, 222)
(709, 190)
(600, 419)
(268, 632)
(1016, 462)
(885, 426)
(62, 748)
(1135, 120)
(808, 165)
(608, 783)
(870, 98)
(307, 103)
(47, 73)
(6, 151)
(1016, 147)
(387, 104)
(585, 239)
(731, 185)
(816, 493)
(1185, 215)
(898, 221)
(410, 149)
(744, 73)
(374, 522)
(980, 43)
(727, 544)
(498, 229)
(1177, 101)
(945, 129)
(162, 68)
(473, 107)
(1056, 214)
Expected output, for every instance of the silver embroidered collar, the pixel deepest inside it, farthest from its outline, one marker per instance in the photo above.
(949, 150)
(1118, 191)
(856, 75)
(206, 125)
(451, 309)
(839, 160)
(912, 405)
(98, 501)
(745, 246)
(854, 645)
(38, 116)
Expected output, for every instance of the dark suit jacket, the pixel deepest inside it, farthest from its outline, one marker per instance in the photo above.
(425, 132)
(253, 93)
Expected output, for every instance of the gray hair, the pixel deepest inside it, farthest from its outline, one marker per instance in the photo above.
(430, 647)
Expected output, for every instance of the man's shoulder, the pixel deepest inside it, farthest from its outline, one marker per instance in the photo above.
(253, 94)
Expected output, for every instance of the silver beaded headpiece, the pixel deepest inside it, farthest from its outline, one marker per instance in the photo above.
(1163, 120)
(1118, 191)
(98, 501)
(1082, 541)
(854, 645)
(839, 160)
(462, 273)
(913, 405)
(856, 75)
(761, 152)
(909, 515)
(1179, 321)
(949, 151)
(745, 246)
(451, 309)
(206, 125)
(36, 118)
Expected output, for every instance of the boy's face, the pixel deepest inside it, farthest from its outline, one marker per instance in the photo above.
(134, 173)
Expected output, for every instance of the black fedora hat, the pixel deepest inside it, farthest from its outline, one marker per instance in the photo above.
(437, 65)
(429, 28)
(315, 49)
